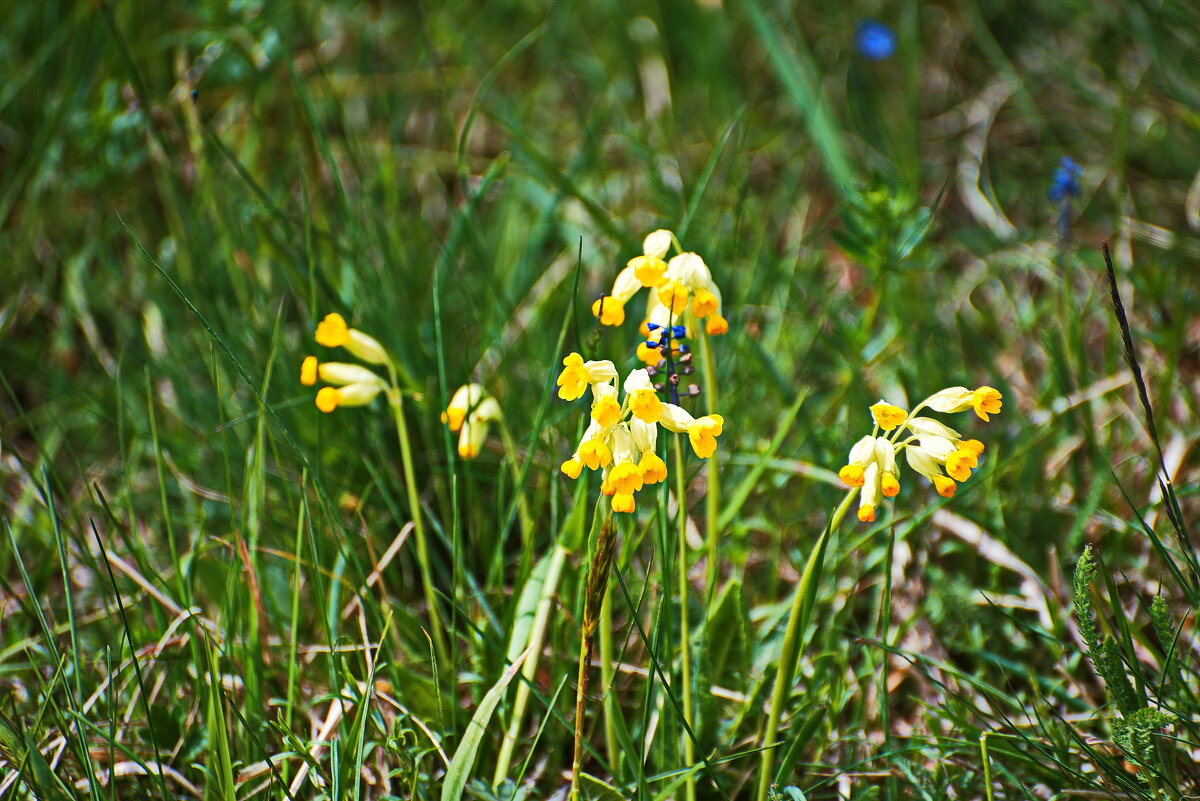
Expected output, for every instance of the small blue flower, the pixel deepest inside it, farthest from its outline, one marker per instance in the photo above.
(1066, 181)
(875, 40)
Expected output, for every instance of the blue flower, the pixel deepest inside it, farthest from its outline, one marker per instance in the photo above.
(1066, 181)
(875, 40)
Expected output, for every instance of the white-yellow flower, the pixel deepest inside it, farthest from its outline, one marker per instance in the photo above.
(643, 398)
(333, 332)
(624, 477)
(933, 449)
(475, 430)
(868, 499)
(650, 267)
(469, 413)
(862, 453)
(354, 385)
(984, 401)
(465, 398)
(702, 431)
(928, 465)
(357, 394)
(657, 243)
(886, 415)
(577, 375)
(645, 440)
(606, 409)
(611, 308)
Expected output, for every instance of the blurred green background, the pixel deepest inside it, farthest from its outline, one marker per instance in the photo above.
(187, 188)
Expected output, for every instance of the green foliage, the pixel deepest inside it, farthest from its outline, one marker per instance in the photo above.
(1137, 733)
(461, 181)
(1085, 574)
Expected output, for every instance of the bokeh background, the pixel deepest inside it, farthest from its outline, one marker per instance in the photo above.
(879, 190)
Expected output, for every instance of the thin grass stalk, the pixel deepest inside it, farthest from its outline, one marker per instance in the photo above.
(797, 624)
(685, 640)
(885, 619)
(436, 632)
(537, 639)
(510, 447)
(607, 677)
(712, 499)
(987, 765)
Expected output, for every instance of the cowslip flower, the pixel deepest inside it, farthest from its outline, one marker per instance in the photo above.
(683, 287)
(985, 401)
(353, 384)
(702, 431)
(931, 448)
(622, 435)
(577, 375)
(333, 332)
(469, 414)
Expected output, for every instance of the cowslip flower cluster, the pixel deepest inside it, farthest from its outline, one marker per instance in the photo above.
(622, 436)
(682, 289)
(350, 384)
(931, 448)
(469, 414)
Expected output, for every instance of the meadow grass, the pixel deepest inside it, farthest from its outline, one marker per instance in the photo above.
(212, 589)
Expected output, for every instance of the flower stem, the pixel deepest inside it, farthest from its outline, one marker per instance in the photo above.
(510, 446)
(607, 674)
(685, 640)
(436, 632)
(798, 615)
(712, 498)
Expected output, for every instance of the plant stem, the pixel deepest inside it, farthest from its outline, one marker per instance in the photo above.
(510, 446)
(436, 632)
(685, 640)
(802, 603)
(712, 498)
(607, 674)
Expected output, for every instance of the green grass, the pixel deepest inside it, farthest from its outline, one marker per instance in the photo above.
(209, 588)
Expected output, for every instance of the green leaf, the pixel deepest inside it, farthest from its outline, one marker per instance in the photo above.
(464, 756)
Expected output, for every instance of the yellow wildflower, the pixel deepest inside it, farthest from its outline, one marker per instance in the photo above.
(577, 375)
(648, 355)
(605, 408)
(643, 399)
(611, 308)
(332, 332)
(862, 453)
(358, 394)
(465, 398)
(673, 295)
(595, 453)
(887, 416)
(308, 371)
(868, 499)
(716, 325)
(469, 413)
(702, 431)
(657, 243)
(984, 400)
